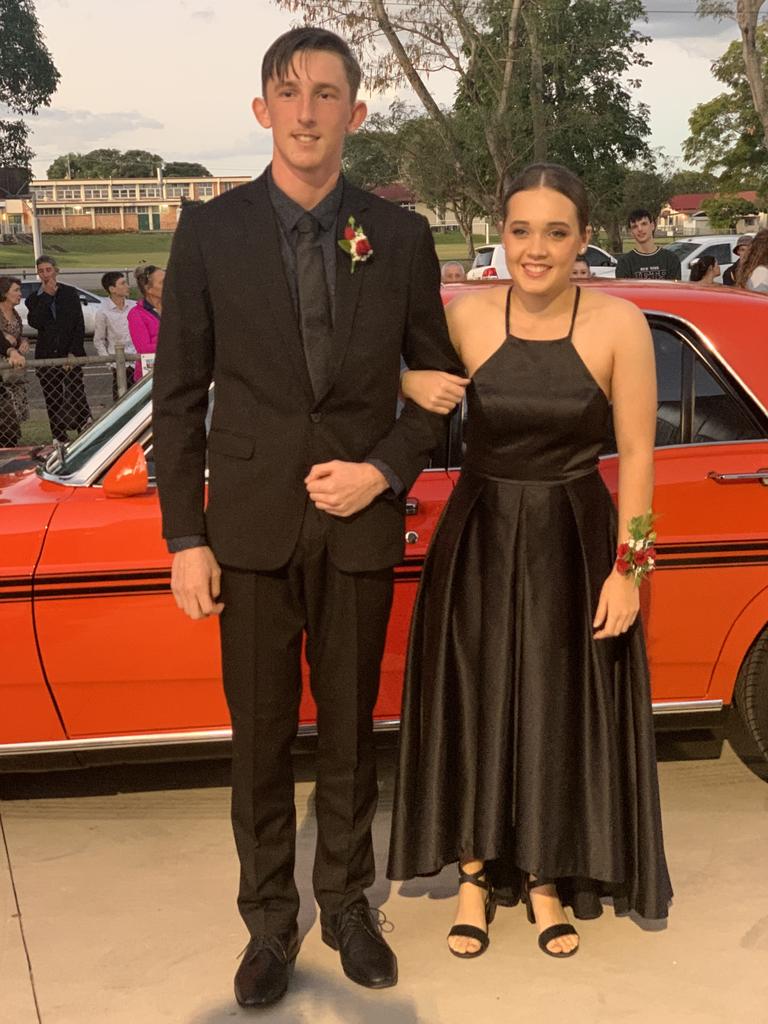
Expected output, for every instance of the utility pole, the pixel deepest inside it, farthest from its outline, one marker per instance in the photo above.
(37, 238)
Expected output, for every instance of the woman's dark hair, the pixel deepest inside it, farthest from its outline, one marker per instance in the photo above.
(756, 257)
(5, 286)
(142, 273)
(553, 176)
(700, 266)
(110, 279)
(279, 57)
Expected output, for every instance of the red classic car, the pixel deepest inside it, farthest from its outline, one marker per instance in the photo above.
(96, 654)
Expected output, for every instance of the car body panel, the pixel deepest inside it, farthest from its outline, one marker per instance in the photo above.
(88, 300)
(691, 248)
(102, 651)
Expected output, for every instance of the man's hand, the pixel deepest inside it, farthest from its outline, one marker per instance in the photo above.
(196, 582)
(343, 488)
(50, 287)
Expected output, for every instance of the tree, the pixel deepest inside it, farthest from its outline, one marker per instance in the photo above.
(524, 70)
(371, 155)
(746, 14)
(28, 76)
(183, 169)
(725, 133)
(686, 180)
(106, 163)
(725, 211)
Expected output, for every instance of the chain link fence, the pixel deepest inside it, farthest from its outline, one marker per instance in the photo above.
(55, 399)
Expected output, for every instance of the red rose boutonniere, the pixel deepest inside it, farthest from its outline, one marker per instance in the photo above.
(355, 244)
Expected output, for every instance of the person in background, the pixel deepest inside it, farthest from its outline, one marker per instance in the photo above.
(705, 269)
(581, 269)
(453, 273)
(647, 260)
(144, 318)
(12, 347)
(112, 323)
(56, 313)
(740, 250)
(753, 268)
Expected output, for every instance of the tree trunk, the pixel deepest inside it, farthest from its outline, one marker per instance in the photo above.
(538, 109)
(613, 229)
(465, 219)
(746, 15)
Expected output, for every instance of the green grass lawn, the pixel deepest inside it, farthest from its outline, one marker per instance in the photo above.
(120, 250)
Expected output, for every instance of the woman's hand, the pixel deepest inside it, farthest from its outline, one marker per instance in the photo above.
(24, 346)
(433, 390)
(15, 359)
(618, 606)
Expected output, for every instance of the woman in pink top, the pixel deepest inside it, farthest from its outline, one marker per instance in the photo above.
(144, 318)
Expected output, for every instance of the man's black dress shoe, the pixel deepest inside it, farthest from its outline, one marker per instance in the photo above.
(365, 956)
(267, 966)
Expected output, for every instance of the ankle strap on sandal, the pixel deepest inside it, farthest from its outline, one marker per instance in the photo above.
(474, 878)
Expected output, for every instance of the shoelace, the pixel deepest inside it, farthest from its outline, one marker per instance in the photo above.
(373, 917)
(259, 942)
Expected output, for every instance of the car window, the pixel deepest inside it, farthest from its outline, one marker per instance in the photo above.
(682, 249)
(717, 416)
(89, 299)
(597, 258)
(668, 350)
(722, 253)
(483, 257)
(28, 288)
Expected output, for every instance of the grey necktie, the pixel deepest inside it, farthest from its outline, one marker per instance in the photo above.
(314, 308)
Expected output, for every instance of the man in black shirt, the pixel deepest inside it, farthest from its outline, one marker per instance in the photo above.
(647, 260)
(56, 313)
(740, 250)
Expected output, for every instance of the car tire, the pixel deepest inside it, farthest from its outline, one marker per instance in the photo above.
(750, 695)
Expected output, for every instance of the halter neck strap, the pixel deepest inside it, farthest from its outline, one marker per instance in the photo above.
(573, 317)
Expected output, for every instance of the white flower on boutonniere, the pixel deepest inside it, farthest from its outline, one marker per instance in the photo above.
(355, 243)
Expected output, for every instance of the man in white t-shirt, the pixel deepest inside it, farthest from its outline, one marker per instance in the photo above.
(112, 323)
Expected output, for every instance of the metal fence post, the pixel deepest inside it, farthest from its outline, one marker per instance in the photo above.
(122, 379)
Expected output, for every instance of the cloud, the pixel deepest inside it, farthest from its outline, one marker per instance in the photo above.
(253, 143)
(677, 19)
(89, 126)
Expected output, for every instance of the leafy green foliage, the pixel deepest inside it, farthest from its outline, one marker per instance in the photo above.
(28, 76)
(725, 211)
(725, 133)
(184, 169)
(106, 163)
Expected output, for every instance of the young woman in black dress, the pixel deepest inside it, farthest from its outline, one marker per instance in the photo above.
(527, 749)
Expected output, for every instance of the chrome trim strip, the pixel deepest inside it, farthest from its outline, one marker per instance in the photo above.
(669, 707)
(153, 739)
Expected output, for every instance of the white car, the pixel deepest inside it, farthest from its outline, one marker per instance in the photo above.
(689, 249)
(90, 303)
(490, 262)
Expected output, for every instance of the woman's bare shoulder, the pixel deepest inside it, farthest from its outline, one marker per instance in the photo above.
(610, 310)
(475, 303)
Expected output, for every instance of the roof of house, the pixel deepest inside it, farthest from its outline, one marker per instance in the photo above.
(395, 193)
(690, 202)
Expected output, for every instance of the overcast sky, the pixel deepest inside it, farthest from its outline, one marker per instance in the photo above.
(177, 77)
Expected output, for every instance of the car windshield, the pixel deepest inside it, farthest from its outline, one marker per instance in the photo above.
(83, 448)
(682, 249)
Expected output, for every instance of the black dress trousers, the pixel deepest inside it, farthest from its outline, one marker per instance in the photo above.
(344, 617)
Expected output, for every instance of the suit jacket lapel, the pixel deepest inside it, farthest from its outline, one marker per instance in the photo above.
(265, 261)
(354, 203)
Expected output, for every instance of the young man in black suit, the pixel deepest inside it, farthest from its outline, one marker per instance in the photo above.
(309, 468)
(56, 313)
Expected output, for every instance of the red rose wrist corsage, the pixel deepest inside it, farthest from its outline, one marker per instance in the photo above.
(637, 556)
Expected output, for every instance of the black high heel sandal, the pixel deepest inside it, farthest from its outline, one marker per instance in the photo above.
(554, 931)
(469, 931)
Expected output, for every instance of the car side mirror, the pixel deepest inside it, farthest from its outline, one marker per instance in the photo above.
(128, 476)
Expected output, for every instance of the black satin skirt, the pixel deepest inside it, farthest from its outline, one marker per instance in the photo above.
(524, 742)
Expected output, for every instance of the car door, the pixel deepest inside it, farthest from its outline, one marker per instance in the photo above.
(709, 526)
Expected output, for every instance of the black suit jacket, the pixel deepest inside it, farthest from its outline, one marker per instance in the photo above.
(228, 317)
(63, 334)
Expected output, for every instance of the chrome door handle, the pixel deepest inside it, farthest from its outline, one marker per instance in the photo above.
(759, 476)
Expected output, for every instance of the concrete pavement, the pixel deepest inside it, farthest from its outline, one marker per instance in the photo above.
(125, 879)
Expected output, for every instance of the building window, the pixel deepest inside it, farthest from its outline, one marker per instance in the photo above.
(408, 206)
(51, 211)
(76, 211)
(106, 210)
(96, 192)
(177, 191)
(150, 192)
(43, 194)
(225, 186)
(69, 192)
(205, 189)
(123, 192)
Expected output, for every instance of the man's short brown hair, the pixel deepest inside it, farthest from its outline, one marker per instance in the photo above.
(280, 56)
